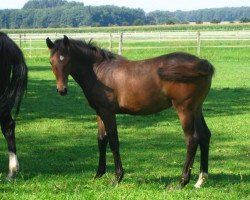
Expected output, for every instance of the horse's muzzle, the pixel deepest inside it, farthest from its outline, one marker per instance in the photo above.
(62, 92)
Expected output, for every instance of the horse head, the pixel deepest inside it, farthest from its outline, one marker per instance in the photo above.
(60, 62)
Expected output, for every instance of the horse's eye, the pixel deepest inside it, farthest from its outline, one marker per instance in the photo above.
(61, 58)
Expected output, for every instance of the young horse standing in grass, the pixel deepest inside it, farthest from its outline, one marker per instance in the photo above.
(13, 83)
(112, 84)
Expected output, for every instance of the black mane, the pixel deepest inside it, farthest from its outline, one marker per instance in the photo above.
(88, 49)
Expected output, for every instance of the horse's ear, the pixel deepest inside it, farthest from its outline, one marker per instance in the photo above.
(49, 43)
(65, 40)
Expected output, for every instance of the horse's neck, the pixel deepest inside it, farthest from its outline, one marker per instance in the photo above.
(84, 75)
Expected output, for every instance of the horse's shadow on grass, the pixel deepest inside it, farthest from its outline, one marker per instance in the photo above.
(42, 102)
(39, 157)
(214, 180)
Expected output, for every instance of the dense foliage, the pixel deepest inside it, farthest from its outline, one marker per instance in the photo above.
(61, 13)
(39, 4)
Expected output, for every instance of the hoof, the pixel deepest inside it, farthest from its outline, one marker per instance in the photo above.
(100, 173)
(182, 184)
(118, 178)
(179, 187)
(11, 177)
(201, 180)
(115, 183)
(13, 167)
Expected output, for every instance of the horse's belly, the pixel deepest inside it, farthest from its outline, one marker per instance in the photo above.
(143, 106)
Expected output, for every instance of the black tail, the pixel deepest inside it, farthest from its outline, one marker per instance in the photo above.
(14, 74)
(186, 72)
(18, 85)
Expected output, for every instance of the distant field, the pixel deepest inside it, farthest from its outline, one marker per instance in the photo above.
(179, 27)
(213, 44)
(57, 147)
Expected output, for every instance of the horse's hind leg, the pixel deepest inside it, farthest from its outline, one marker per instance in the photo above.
(102, 145)
(204, 139)
(8, 129)
(187, 118)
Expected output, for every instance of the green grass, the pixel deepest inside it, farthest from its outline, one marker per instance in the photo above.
(57, 147)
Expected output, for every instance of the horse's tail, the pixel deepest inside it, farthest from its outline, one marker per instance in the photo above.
(18, 84)
(14, 68)
(186, 72)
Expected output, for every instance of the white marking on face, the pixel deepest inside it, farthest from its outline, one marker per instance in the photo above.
(202, 178)
(13, 163)
(61, 58)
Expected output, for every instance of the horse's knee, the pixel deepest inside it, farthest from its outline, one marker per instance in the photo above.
(192, 140)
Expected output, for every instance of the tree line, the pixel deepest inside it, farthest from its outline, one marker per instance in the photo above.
(61, 13)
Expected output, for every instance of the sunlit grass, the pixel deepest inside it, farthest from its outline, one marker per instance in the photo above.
(57, 147)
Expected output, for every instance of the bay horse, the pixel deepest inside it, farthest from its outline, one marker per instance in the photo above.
(114, 85)
(13, 83)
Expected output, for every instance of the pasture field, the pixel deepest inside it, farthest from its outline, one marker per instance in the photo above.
(177, 27)
(57, 146)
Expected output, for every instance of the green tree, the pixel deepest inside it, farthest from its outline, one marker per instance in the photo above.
(138, 22)
(5, 19)
(41, 4)
(61, 13)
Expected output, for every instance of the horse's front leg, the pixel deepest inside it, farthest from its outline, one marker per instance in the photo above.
(8, 129)
(102, 144)
(112, 135)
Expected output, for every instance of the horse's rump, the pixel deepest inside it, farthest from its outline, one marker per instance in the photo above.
(13, 74)
(186, 72)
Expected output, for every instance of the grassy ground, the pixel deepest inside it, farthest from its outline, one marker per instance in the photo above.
(57, 147)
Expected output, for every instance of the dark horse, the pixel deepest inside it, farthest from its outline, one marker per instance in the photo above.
(13, 83)
(112, 84)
